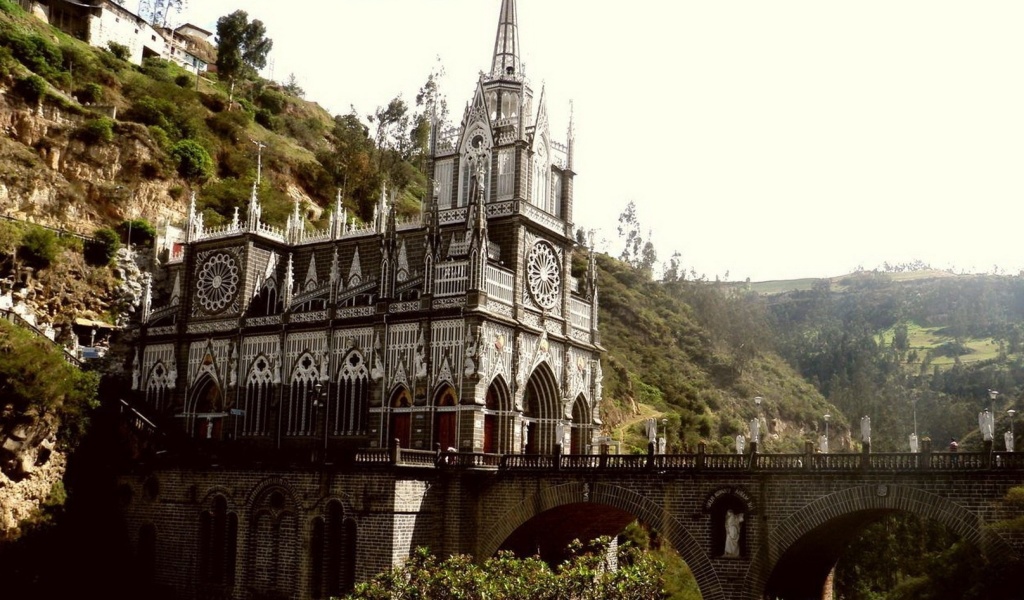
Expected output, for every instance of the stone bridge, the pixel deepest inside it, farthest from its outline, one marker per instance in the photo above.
(313, 531)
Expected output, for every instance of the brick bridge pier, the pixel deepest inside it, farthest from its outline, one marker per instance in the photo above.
(223, 531)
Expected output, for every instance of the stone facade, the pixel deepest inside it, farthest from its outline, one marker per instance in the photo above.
(289, 348)
(217, 531)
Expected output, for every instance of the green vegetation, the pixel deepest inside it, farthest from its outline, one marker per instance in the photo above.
(36, 380)
(38, 247)
(584, 576)
(101, 250)
(194, 161)
(97, 130)
(242, 46)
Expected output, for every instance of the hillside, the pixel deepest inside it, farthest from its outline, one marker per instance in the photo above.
(93, 140)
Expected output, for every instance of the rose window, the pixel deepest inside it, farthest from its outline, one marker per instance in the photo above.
(217, 282)
(543, 273)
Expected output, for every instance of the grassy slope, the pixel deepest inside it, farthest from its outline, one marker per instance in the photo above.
(663, 362)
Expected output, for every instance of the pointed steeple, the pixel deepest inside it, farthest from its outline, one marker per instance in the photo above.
(505, 64)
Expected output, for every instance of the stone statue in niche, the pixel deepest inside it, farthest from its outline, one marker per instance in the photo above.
(733, 523)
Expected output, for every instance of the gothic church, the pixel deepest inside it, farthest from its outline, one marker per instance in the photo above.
(464, 329)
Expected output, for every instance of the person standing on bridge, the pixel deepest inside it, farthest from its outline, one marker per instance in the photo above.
(953, 448)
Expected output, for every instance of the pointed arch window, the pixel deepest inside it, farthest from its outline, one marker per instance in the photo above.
(465, 180)
(259, 388)
(158, 387)
(300, 415)
(348, 413)
(443, 179)
(218, 535)
(506, 173)
(541, 177)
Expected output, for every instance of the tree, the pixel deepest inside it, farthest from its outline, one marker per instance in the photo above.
(242, 46)
(158, 11)
(292, 87)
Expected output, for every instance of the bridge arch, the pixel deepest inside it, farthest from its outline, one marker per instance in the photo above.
(617, 497)
(853, 507)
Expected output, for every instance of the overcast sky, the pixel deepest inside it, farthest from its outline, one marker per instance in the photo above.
(768, 140)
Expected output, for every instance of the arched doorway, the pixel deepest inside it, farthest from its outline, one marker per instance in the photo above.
(541, 414)
(582, 426)
(401, 426)
(445, 418)
(498, 436)
(204, 408)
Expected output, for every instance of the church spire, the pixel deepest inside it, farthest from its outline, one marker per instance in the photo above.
(505, 64)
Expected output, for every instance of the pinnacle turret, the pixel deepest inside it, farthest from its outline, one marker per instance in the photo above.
(505, 64)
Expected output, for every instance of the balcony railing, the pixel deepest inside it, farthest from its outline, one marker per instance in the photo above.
(451, 278)
(499, 284)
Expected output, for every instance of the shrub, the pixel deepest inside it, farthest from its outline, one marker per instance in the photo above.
(38, 247)
(194, 161)
(101, 250)
(229, 124)
(272, 100)
(160, 137)
(91, 93)
(183, 80)
(32, 88)
(137, 231)
(97, 130)
(265, 118)
(119, 50)
(35, 52)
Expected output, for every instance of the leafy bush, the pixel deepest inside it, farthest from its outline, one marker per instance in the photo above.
(36, 378)
(38, 247)
(183, 80)
(35, 52)
(160, 137)
(179, 121)
(586, 574)
(91, 93)
(119, 50)
(272, 100)
(265, 118)
(32, 88)
(229, 124)
(101, 250)
(97, 130)
(194, 161)
(137, 231)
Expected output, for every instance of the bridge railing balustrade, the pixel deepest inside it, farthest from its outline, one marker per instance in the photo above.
(835, 462)
(893, 461)
(528, 461)
(681, 462)
(1008, 460)
(373, 456)
(417, 458)
(958, 461)
(581, 461)
(724, 462)
(779, 461)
